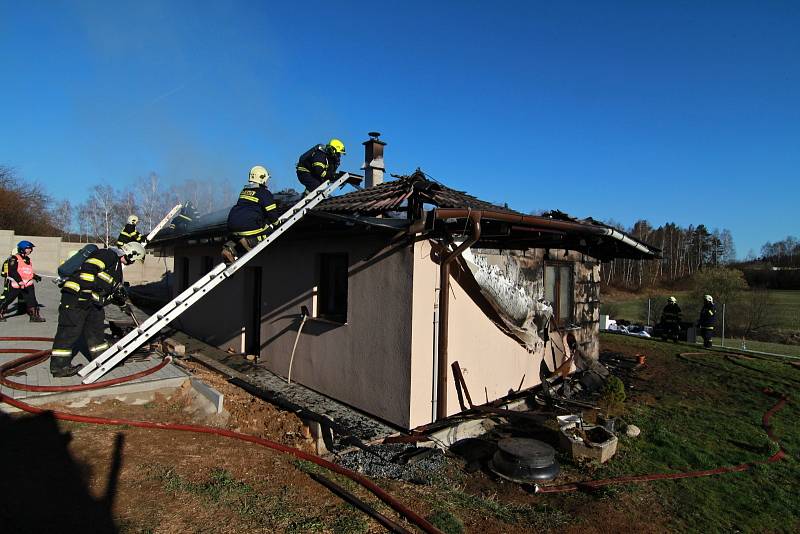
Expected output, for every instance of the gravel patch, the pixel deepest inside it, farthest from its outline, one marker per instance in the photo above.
(392, 461)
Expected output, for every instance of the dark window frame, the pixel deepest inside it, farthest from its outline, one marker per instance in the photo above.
(570, 316)
(333, 287)
(208, 265)
(184, 285)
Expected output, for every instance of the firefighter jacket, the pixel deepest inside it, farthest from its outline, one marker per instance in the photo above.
(95, 280)
(254, 212)
(671, 314)
(708, 316)
(20, 271)
(181, 221)
(129, 233)
(318, 163)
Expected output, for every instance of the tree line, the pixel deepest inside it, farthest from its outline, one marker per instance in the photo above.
(685, 251)
(28, 209)
(784, 253)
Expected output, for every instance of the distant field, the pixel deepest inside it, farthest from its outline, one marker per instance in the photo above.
(633, 307)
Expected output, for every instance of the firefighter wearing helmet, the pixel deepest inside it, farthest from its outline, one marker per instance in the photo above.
(253, 216)
(671, 320)
(319, 164)
(707, 320)
(129, 232)
(95, 284)
(20, 277)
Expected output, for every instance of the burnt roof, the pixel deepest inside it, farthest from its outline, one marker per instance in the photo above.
(408, 195)
(395, 195)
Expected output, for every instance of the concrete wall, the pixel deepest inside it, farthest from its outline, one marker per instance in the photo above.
(50, 252)
(364, 363)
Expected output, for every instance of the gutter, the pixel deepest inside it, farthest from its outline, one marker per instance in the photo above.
(444, 303)
(545, 224)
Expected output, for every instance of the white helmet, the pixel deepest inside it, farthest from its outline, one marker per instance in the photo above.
(133, 251)
(673, 300)
(133, 219)
(709, 298)
(259, 175)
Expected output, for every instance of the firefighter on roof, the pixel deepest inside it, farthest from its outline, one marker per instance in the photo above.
(184, 218)
(129, 232)
(20, 278)
(319, 163)
(253, 217)
(96, 283)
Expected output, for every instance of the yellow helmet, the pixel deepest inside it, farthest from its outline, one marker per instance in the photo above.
(259, 175)
(672, 300)
(133, 219)
(337, 145)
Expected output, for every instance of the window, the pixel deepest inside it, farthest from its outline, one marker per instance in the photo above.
(332, 287)
(184, 273)
(558, 290)
(208, 264)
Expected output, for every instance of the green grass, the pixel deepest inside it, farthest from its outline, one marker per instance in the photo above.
(279, 510)
(633, 307)
(717, 425)
(450, 501)
(761, 346)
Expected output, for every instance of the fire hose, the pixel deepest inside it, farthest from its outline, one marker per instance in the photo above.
(36, 356)
(765, 424)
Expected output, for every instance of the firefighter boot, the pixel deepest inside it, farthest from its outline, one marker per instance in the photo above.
(60, 367)
(2, 314)
(33, 313)
(229, 252)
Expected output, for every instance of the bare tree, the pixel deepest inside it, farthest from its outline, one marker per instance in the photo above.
(153, 199)
(103, 210)
(755, 310)
(61, 215)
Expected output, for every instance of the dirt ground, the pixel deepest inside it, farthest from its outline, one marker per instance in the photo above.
(138, 480)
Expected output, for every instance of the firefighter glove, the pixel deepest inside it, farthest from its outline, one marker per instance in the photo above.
(120, 296)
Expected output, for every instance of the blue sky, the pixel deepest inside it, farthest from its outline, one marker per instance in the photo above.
(675, 111)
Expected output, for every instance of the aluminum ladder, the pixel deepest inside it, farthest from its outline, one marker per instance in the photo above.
(139, 335)
(162, 223)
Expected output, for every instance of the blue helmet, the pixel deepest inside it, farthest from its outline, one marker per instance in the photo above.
(22, 245)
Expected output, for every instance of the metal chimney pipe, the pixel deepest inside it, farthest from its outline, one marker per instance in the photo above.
(373, 160)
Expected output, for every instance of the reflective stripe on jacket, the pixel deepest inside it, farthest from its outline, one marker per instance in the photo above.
(25, 272)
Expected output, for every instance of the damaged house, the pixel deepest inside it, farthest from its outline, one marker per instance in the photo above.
(373, 294)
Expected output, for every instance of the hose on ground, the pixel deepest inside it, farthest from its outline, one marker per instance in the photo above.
(35, 357)
(765, 423)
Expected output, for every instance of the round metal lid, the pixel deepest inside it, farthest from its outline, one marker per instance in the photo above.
(527, 451)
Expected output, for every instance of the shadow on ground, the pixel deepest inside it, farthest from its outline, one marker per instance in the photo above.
(42, 487)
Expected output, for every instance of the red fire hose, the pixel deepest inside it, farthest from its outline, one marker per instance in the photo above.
(35, 357)
(781, 454)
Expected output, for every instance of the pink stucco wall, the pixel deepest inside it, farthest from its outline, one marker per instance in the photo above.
(381, 361)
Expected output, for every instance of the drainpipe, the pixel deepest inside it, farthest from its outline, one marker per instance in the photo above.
(444, 302)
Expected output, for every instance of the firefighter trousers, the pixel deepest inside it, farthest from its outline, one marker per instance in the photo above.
(26, 294)
(309, 181)
(83, 319)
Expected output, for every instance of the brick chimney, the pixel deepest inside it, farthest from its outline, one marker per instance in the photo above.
(373, 160)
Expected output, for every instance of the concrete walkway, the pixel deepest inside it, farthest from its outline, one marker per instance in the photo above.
(49, 295)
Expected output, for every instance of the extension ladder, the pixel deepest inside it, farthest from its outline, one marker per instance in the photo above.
(157, 228)
(138, 336)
